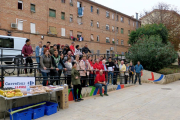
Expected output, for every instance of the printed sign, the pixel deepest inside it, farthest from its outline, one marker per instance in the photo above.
(18, 82)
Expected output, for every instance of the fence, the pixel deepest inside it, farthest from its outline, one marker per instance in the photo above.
(19, 66)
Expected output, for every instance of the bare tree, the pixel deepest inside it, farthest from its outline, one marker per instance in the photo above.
(167, 15)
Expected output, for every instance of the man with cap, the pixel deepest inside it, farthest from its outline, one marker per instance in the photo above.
(53, 49)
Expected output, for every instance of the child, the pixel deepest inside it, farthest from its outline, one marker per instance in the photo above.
(75, 78)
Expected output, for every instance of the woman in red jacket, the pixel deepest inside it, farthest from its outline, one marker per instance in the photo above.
(97, 66)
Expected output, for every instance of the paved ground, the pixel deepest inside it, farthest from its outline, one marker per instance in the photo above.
(146, 102)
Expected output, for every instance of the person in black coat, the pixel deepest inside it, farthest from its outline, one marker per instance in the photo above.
(85, 49)
(116, 71)
(58, 64)
(65, 50)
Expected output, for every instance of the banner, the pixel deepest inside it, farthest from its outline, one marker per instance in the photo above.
(18, 82)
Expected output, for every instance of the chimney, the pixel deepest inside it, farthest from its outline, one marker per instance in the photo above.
(137, 26)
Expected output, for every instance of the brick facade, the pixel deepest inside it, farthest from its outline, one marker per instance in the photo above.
(9, 13)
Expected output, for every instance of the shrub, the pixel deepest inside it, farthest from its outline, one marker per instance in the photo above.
(149, 30)
(152, 53)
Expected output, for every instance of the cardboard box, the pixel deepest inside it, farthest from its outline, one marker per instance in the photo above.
(64, 104)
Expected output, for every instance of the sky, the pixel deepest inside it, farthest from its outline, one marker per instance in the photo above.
(130, 7)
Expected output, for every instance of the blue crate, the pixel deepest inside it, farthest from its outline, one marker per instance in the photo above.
(23, 115)
(29, 109)
(50, 108)
(38, 112)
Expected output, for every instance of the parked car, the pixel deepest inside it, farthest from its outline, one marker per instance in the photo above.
(10, 49)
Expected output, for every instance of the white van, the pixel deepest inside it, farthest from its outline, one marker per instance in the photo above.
(11, 47)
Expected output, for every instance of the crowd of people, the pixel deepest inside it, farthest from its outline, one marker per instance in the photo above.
(78, 67)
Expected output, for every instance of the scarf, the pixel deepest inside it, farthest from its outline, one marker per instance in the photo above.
(56, 60)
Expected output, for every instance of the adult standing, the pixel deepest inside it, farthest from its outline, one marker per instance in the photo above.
(69, 55)
(110, 67)
(97, 66)
(46, 65)
(122, 69)
(66, 49)
(85, 49)
(61, 49)
(48, 45)
(126, 73)
(68, 66)
(77, 51)
(28, 52)
(58, 65)
(75, 77)
(53, 49)
(84, 65)
(101, 81)
(72, 48)
(116, 71)
(138, 69)
(131, 73)
(77, 62)
(91, 75)
(39, 52)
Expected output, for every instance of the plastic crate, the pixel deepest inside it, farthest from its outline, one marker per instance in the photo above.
(23, 115)
(38, 112)
(50, 108)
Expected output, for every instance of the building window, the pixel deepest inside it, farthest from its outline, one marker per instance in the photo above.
(20, 25)
(20, 4)
(98, 38)
(122, 19)
(97, 24)
(97, 10)
(122, 31)
(52, 13)
(129, 21)
(133, 24)
(79, 4)
(117, 29)
(33, 8)
(71, 18)
(91, 23)
(79, 34)
(117, 42)
(71, 32)
(92, 37)
(33, 27)
(129, 32)
(107, 40)
(91, 8)
(113, 28)
(107, 14)
(117, 18)
(107, 27)
(63, 15)
(122, 42)
(63, 32)
(79, 20)
(52, 30)
(63, 1)
(113, 41)
(113, 16)
(71, 2)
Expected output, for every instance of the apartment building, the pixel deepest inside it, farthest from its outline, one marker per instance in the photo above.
(62, 21)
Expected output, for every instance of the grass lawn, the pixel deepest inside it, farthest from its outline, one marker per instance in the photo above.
(170, 70)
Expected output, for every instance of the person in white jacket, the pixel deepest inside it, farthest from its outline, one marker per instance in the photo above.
(77, 51)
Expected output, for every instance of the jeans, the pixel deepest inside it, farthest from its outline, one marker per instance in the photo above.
(38, 61)
(30, 61)
(98, 85)
(126, 79)
(131, 77)
(83, 81)
(91, 80)
(45, 78)
(75, 87)
(110, 74)
(139, 76)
